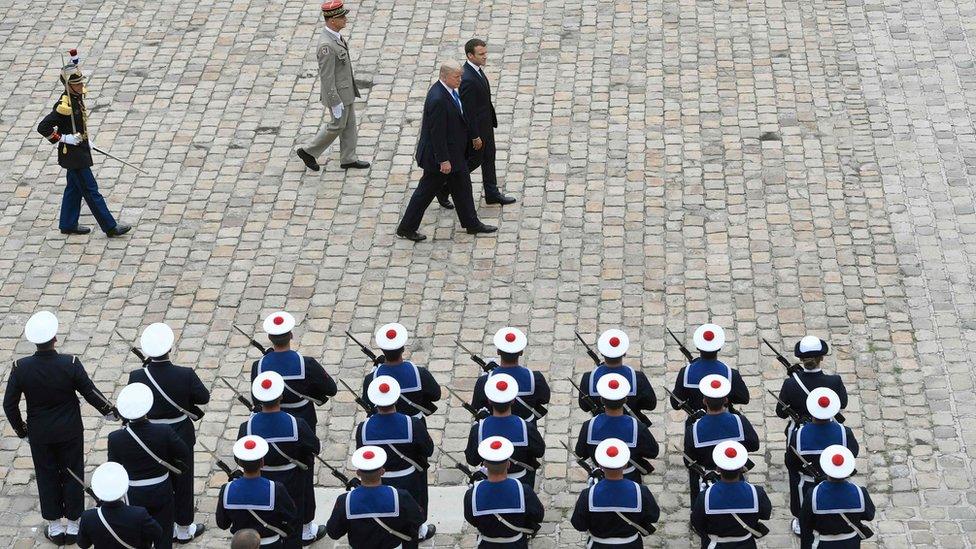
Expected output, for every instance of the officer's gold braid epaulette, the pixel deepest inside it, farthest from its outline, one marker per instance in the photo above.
(64, 106)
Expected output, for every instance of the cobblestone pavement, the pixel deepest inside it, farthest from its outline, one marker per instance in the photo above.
(777, 166)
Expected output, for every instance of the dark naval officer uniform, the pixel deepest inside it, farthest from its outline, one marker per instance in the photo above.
(533, 391)
(811, 439)
(132, 524)
(706, 433)
(797, 388)
(633, 433)
(417, 386)
(528, 445)
(366, 514)
(303, 375)
(602, 508)
(822, 520)
(641, 396)
(512, 501)
(49, 381)
(406, 438)
(713, 515)
(256, 502)
(686, 385)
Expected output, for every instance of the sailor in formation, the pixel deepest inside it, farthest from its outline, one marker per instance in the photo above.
(834, 513)
(533, 390)
(613, 345)
(418, 389)
(709, 339)
(797, 387)
(113, 523)
(727, 514)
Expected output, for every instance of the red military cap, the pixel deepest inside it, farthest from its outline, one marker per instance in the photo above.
(333, 8)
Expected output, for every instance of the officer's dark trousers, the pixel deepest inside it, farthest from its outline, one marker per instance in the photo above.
(82, 184)
(60, 495)
(307, 511)
(459, 185)
(294, 481)
(694, 485)
(183, 484)
(485, 159)
(416, 485)
(158, 501)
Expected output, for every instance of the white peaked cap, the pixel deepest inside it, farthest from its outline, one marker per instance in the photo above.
(41, 327)
(110, 481)
(135, 400)
(157, 340)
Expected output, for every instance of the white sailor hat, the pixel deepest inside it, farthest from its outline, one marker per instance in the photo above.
(391, 337)
(110, 481)
(368, 458)
(809, 347)
(279, 323)
(823, 403)
(612, 453)
(134, 401)
(157, 339)
(250, 448)
(510, 340)
(501, 388)
(268, 386)
(613, 343)
(709, 337)
(715, 386)
(613, 387)
(496, 449)
(383, 391)
(837, 461)
(730, 456)
(41, 327)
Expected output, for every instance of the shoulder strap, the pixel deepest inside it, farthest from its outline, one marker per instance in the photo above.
(386, 527)
(425, 411)
(803, 387)
(526, 531)
(166, 397)
(108, 527)
(159, 460)
(850, 523)
(274, 529)
(290, 459)
(640, 529)
(530, 408)
(315, 401)
(404, 458)
(755, 533)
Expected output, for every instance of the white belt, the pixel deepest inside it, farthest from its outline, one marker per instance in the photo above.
(611, 541)
(629, 470)
(419, 415)
(400, 473)
(715, 540)
(168, 421)
(512, 539)
(149, 481)
(291, 405)
(269, 540)
(276, 468)
(818, 537)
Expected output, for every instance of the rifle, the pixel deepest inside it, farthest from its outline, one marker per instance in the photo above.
(790, 368)
(684, 350)
(111, 407)
(708, 476)
(366, 350)
(595, 409)
(139, 354)
(240, 398)
(807, 467)
(84, 485)
(589, 350)
(348, 483)
(472, 477)
(486, 366)
(359, 400)
(590, 470)
(464, 404)
(231, 473)
(683, 405)
(254, 343)
(794, 415)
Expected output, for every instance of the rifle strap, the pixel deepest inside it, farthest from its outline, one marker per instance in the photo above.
(850, 523)
(261, 521)
(803, 387)
(530, 408)
(314, 401)
(396, 533)
(158, 459)
(640, 529)
(413, 463)
(111, 530)
(755, 533)
(290, 459)
(526, 531)
(166, 397)
(425, 411)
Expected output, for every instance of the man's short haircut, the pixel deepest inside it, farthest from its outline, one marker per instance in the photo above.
(279, 340)
(472, 44)
(714, 404)
(509, 357)
(248, 538)
(496, 468)
(394, 355)
(449, 68)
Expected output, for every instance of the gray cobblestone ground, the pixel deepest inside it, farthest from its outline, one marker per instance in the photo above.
(777, 166)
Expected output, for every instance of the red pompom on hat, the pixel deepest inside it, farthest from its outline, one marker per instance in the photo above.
(368, 454)
(730, 452)
(384, 387)
(390, 334)
(716, 384)
(501, 386)
(266, 384)
(612, 451)
(614, 384)
(496, 444)
(837, 460)
(250, 444)
(614, 341)
(279, 320)
(823, 401)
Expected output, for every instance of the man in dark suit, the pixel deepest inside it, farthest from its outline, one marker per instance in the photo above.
(446, 137)
(476, 99)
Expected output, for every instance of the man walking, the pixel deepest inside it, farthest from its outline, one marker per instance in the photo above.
(442, 151)
(338, 93)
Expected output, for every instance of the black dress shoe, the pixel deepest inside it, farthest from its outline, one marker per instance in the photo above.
(70, 539)
(479, 229)
(319, 534)
(56, 540)
(197, 531)
(118, 230)
(77, 230)
(415, 236)
(446, 204)
(431, 530)
(500, 199)
(357, 165)
(308, 159)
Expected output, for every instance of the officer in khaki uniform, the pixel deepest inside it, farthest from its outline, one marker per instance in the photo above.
(339, 91)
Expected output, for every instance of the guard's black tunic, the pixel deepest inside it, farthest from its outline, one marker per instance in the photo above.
(409, 436)
(269, 500)
(641, 397)
(132, 524)
(374, 502)
(706, 433)
(686, 384)
(533, 391)
(709, 519)
(798, 386)
(518, 505)
(596, 512)
(304, 375)
(528, 444)
(635, 435)
(821, 514)
(417, 384)
(811, 439)
(50, 381)
(71, 157)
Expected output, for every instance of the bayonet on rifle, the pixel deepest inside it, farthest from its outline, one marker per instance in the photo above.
(684, 350)
(683, 405)
(366, 350)
(461, 467)
(139, 354)
(464, 404)
(348, 483)
(486, 366)
(790, 368)
(359, 400)
(589, 350)
(84, 485)
(254, 343)
(240, 398)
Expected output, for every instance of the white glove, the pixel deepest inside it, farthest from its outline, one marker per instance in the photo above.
(70, 139)
(337, 110)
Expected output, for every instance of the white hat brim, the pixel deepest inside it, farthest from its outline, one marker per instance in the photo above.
(272, 327)
(610, 351)
(727, 463)
(242, 453)
(605, 391)
(512, 347)
(378, 397)
(397, 342)
(816, 410)
(504, 452)
(360, 463)
(157, 340)
(134, 401)
(705, 386)
(41, 327)
(618, 461)
(717, 341)
(501, 396)
(271, 393)
(833, 471)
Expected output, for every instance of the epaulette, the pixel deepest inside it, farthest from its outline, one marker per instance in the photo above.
(64, 106)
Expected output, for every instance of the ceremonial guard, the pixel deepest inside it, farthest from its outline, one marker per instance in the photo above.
(151, 454)
(177, 396)
(293, 445)
(709, 338)
(418, 388)
(113, 524)
(49, 381)
(528, 445)
(716, 426)
(797, 387)
(614, 423)
(67, 128)
(808, 442)
(258, 503)
(307, 385)
(374, 515)
(833, 514)
(727, 514)
(615, 512)
(613, 345)
(506, 512)
(533, 393)
(405, 437)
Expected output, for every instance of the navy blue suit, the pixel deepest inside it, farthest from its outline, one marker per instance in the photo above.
(476, 97)
(445, 136)
(132, 524)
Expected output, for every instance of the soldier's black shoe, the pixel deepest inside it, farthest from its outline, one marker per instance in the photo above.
(414, 235)
(56, 539)
(70, 539)
(446, 204)
(118, 230)
(77, 230)
(431, 530)
(357, 165)
(501, 200)
(308, 159)
(195, 531)
(319, 534)
(482, 229)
